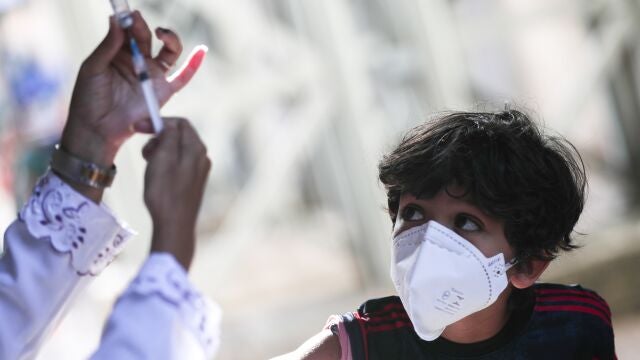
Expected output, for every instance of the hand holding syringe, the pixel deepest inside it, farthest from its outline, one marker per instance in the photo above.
(124, 16)
(107, 106)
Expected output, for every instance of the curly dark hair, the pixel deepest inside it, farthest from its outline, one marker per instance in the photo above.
(533, 182)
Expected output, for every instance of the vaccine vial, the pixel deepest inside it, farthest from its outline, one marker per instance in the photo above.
(123, 12)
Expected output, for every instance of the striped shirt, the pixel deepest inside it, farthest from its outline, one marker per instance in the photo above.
(549, 322)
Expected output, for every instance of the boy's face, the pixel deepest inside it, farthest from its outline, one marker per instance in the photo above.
(483, 231)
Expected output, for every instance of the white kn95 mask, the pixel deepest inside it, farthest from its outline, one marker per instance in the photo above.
(442, 278)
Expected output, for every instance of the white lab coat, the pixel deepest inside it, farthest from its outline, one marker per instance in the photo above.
(59, 242)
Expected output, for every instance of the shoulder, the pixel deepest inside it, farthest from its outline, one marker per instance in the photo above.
(573, 317)
(574, 305)
(345, 336)
(382, 318)
(383, 304)
(380, 327)
(381, 314)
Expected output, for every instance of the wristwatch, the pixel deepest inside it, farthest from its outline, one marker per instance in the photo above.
(80, 171)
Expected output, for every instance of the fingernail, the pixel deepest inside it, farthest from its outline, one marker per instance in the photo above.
(164, 30)
(197, 56)
(194, 63)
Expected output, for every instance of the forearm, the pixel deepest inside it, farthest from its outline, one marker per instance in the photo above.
(175, 239)
(59, 241)
(161, 316)
(322, 346)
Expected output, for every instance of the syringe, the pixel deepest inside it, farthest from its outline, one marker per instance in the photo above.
(123, 15)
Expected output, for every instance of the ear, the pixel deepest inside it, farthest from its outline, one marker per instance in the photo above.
(527, 274)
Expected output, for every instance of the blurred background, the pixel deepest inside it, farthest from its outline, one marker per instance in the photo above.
(297, 101)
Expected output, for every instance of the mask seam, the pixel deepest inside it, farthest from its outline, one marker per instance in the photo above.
(410, 232)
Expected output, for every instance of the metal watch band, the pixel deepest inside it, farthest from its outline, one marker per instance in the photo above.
(80, 171)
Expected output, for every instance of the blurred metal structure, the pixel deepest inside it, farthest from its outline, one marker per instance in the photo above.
(299, 99)
(622, 73)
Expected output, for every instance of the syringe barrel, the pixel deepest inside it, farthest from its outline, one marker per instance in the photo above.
(123, 12)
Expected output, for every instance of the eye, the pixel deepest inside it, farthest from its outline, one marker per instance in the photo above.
(412, 213)
(466, 223)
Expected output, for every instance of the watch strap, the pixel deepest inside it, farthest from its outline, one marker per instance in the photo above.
(80, 171)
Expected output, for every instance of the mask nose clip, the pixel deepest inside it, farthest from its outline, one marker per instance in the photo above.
(509, 264)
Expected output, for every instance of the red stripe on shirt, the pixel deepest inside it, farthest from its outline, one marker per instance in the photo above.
(573, 308)
(386, 327)
(377, 318)
(573, 292)
(583, 300)
(390, 307)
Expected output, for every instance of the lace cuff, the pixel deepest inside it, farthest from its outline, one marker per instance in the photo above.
(161, 275)
(73, 224)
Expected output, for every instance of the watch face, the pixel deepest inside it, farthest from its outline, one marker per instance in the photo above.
(91, 174)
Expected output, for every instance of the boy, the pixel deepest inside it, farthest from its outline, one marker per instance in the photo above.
(480, 204)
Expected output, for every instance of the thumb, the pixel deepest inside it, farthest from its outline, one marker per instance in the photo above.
(150, 148)
(102, 56)
(164, 147)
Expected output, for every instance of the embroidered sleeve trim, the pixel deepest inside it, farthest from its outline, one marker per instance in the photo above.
(162, 276)
(73, 224)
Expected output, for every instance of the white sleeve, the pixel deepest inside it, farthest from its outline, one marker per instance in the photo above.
(59, 237)
(161, 316)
